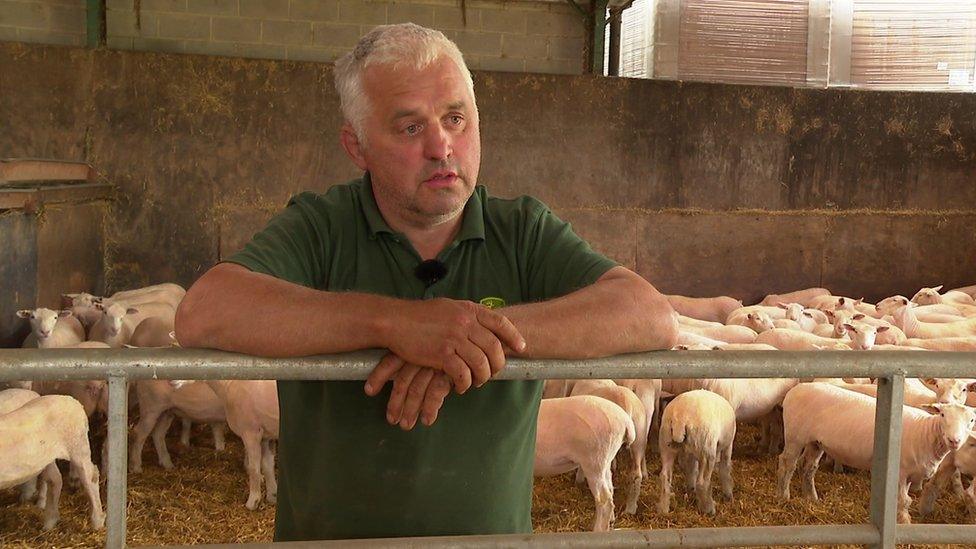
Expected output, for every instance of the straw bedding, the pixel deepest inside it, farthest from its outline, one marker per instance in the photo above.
(202, 501)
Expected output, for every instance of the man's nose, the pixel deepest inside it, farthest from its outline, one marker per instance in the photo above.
(437, 146)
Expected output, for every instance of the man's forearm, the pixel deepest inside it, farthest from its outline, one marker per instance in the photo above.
(613, 316)
(233, 309)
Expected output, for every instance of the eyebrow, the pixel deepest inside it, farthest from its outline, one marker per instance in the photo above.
(406, 113)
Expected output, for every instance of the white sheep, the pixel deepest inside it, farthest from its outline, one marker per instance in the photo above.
(931, 296)
(251, 407)
(36, 434)
(957, 463)
(716, 309)
(914, 328)
(819, 417)
(51, 329)
(700, 424)
(628, 402)
(583, 432)
(799, 296)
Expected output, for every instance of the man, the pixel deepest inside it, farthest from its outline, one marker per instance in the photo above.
(406, 259)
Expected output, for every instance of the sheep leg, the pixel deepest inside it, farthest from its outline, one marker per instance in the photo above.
(787, 466)
(601, 485)
(219, 430)
(904, 501)
(703, 485)
(148, 417)
(668, 454)
(159, 440)
(933, 489)
(725, 471)
(637, 450)
(252, 464)
(689, 463)
(267, 467)
(28, 490)
(811, 460)
(185, 433)
(51, 476)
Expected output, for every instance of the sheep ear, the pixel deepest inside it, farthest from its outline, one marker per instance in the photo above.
(782, 305)
(937, 288)
(25, 313)
(716, 348)
(679, 348)
(859, 301)
(883, 329)
(858, 316)
(808, 314)
(840, 302)
(850, 327)
(830, 314)
(64, 313)
(131, 311)
(971, 387)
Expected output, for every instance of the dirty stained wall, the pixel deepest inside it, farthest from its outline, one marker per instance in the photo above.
(702, 188)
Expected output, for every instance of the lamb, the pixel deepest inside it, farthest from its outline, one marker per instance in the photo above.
(728, 334)
(802, 297)
(792, 340)
(914, 328)
(930, 296)
(628, 402)
(889, 335)
(169, 293)
(251, 407)
(715, 309)
(757, 321)
(158, 400)
(41, 431)
(961, 461)
(916, 394)
(584, 432)
(702, 425)
(690, 339)
(819, 417)
(738, 316)
(944, 343)
(10, 400)
(51, 329)
(889, 305)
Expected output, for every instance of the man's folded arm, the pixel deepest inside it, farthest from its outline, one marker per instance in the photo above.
(235, 309)
(619, 313)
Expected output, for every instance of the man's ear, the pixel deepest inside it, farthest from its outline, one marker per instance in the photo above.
(350, 143)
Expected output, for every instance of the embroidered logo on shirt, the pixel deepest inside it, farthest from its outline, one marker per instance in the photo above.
(492, 302)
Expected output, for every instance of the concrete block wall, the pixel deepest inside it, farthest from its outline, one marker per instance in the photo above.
(43, 21)
(522, 36)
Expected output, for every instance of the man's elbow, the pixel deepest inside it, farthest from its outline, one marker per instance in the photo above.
(187, 326)
(660, 323)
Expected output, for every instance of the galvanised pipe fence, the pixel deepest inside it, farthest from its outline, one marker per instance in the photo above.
(890, 367)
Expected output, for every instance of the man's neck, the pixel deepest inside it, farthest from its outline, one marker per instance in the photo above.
(430, 241)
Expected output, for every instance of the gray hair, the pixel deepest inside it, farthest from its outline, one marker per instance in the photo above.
(397, 45)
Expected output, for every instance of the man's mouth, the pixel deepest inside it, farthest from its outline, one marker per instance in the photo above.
(441, 179)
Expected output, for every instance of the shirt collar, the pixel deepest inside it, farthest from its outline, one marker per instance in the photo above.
(472, 221)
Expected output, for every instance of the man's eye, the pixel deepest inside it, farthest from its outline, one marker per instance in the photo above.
(412, 129)
(456, 119)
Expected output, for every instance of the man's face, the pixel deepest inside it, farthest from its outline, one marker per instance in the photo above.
(423, 146)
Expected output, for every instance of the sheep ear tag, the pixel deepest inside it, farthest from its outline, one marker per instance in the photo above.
(492, 302)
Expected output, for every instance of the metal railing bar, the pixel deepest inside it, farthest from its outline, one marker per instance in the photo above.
(118, 422)
(673, 537)
(64, 364)
(887, 455)
(936, 533)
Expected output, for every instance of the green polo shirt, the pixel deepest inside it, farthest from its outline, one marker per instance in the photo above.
(344, 471)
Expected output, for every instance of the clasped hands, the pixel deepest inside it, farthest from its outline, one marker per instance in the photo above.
(435, 345)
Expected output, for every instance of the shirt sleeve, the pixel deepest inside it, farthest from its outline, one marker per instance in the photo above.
(559, 261)
(292, 247)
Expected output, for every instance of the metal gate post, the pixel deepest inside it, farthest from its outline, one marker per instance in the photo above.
(887, 454)
(118, 424)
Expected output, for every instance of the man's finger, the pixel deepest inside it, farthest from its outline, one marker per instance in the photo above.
(502, 327)
(491, 346)
(476, 361)
(400, 385)
(387, 367)
(437, 391)
(415, 397)
(459, 372)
